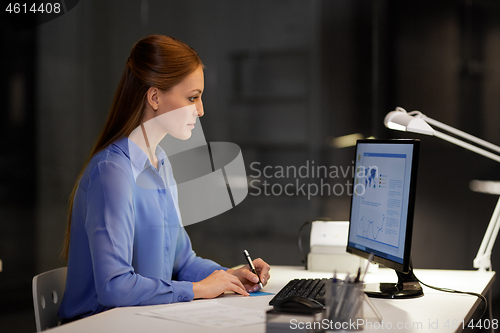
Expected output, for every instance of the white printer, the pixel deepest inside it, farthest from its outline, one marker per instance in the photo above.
(328, 249)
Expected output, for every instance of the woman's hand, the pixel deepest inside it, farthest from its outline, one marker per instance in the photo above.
(217, 283)
(249, 279)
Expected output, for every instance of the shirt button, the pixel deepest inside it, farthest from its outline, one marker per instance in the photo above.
(185, 299)
(179, 298)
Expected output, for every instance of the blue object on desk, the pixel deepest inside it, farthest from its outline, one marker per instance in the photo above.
(260, 293)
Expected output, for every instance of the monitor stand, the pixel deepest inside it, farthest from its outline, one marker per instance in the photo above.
(406, 287)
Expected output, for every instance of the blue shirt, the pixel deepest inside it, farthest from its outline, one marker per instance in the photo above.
(128, 246)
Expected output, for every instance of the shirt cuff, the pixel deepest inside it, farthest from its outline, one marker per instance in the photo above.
(183, 291)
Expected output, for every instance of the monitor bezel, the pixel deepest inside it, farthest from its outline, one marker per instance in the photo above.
(405, 266)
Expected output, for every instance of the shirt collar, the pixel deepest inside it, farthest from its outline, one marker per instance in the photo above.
(137, 156)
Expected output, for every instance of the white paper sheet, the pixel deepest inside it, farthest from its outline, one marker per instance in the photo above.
(209, 314)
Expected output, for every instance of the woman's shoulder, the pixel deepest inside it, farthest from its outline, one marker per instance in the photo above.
(115, 157)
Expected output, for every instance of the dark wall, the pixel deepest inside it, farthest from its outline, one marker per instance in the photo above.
(18, 176)
(282, 79)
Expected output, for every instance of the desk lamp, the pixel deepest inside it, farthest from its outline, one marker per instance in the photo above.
(417, 122)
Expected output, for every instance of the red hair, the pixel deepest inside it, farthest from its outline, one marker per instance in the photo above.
(155, 61)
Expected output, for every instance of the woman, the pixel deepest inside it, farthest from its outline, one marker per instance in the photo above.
(127, 244)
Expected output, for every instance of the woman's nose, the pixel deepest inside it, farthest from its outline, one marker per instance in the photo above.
(199, 111)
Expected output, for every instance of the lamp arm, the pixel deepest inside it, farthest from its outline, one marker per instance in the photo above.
(483, 257)
(468, 146)
(461, 133)
(493, 228)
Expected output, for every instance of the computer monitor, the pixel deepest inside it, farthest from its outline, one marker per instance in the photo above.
(382, 205)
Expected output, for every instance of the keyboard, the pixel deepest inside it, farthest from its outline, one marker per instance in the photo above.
(309, 288)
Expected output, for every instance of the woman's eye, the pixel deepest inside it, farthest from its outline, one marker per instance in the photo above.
(191, 99)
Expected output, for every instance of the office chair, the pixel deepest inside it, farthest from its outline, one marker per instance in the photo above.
(48, 290)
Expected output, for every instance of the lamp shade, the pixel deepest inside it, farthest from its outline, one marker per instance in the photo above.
(402, 121)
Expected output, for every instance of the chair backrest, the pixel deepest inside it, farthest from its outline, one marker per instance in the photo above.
(48, 290)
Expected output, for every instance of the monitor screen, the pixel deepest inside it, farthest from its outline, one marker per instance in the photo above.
(383, 199)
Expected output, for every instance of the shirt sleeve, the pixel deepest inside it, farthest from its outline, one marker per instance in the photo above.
(110, 230)
(189, 267)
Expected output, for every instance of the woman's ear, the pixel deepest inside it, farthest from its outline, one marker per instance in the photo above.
(152, 96)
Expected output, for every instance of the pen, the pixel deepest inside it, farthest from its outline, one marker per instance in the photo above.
(358, 275)
(252, 267)
(339, 298)
(370, 258)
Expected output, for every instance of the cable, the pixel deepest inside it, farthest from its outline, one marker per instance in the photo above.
(453, 291)
(299, 239)
(299, 242)
(491, 312)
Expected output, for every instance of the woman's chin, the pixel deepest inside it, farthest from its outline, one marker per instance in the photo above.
(182, 136)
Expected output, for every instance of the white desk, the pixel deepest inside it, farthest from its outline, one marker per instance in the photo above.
(435, 308)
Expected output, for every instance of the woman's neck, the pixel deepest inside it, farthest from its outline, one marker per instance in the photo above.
(147, 137)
